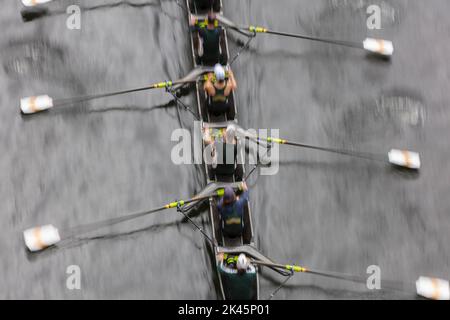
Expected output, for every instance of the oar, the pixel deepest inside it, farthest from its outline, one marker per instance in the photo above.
(402, 158)
(39, 238)
(34, 104)
(431, 288)
(380, 47)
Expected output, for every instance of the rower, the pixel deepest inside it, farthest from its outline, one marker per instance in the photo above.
(238, 276)
(219, 90)
(209, 37)
(226, 154)
(235, 264)
(231, 208)
(243, 264)
(204, 5)
(221, 150)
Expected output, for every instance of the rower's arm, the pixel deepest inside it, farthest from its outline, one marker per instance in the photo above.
(232, 85)
(209, 87)
(243, 198)
(193, 24)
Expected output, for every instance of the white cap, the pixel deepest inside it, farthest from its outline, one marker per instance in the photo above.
(230, 133)
(404, 158)
(32, 3)
(219, 72)
(433, 288)
(242, 262)
(35, 104)
(382, 47)
(39, 238)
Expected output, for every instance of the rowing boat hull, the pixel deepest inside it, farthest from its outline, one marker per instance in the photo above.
(230, 286)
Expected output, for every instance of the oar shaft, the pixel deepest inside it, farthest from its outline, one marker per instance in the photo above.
(96, 225)
(385, 284)
(110, 222)
(380, 47)
(281, 266)
(61, 102)
(324, 40)
(351, 153)
(362, 155)
(159, 85)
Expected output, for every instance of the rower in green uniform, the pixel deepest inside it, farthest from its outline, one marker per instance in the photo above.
(219, 89)
(209, 40)
(226, 155)
(231, 208)
(238, 276)
(222, 149)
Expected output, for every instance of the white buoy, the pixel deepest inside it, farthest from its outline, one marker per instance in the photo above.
(433, 288)
(404, 158)
(39, 238)
(379, 46)
(32, 3)
(31, 105)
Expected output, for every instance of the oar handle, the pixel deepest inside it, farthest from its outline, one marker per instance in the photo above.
(287, 267)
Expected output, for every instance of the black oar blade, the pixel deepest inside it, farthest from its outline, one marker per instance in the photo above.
(33, 13)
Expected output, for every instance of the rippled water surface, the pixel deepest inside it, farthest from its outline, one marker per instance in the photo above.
(95, 161)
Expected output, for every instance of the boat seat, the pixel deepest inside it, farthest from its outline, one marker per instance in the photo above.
(226, 155)
(232, 242)
(204, 9)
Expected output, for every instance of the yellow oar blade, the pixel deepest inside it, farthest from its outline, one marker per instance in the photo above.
(404, 158)
(35, 104)
(39, 238)
(379, 46)
(433, 288)
(32, 3)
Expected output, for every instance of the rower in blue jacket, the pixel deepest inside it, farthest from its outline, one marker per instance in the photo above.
(231, 208)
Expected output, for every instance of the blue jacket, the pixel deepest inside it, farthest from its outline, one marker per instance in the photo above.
(232, 215)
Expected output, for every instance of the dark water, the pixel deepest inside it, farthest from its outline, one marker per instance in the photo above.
(96, 161)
